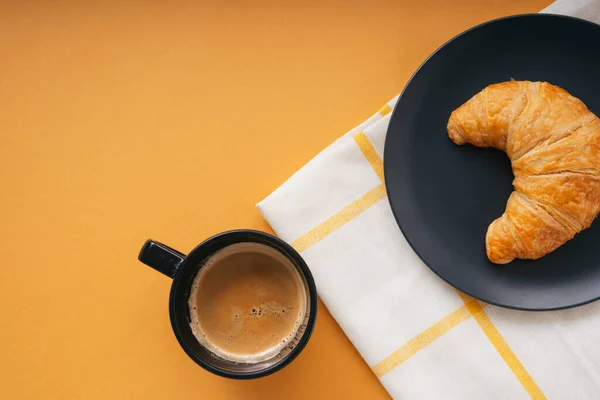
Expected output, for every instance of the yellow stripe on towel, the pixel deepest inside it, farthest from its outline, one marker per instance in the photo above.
(385, 110)
(364, 144)
(428, 336)
(339, 219)
(509, 357)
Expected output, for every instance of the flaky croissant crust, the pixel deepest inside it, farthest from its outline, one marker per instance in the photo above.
(552, 140)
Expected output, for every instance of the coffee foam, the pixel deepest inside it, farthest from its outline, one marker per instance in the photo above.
(267, 308)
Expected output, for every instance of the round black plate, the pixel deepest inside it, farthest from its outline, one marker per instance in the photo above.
(444, 196)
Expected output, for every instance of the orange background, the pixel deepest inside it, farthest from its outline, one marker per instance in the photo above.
(124, 120)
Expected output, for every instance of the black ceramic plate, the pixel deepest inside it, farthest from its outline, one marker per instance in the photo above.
(444, 196)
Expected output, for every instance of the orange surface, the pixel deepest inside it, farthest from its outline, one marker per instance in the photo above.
(124, 120)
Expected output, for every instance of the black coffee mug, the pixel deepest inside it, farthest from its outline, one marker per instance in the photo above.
(183, 269)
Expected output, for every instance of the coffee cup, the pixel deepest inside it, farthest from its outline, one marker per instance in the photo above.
(243, 303)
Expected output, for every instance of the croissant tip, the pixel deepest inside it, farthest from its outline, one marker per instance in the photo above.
(454, 132)
(499, 259)
(495, 257)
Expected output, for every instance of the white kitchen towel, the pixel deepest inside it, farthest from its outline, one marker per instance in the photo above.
(421, 337)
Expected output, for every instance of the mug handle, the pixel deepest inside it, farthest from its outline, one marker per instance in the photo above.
(161, 257)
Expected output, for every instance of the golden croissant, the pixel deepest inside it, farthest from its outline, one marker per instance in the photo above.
(553, 142)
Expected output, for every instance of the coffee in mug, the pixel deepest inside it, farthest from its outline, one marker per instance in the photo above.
(243, 303)
(247, 303)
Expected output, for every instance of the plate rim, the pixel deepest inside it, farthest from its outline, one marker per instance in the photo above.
(386, 150)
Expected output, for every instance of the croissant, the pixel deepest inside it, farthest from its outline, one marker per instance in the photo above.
(553, 142)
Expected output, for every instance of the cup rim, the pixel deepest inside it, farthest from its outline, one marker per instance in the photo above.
(245, 235)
